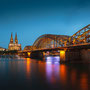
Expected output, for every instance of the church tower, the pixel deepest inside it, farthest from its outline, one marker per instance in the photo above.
(16, 40)
(11, 40)
(14, 45)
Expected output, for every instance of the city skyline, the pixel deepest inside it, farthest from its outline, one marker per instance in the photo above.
(32, 18)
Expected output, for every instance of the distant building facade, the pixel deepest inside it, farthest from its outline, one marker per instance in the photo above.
(14, 45)
(28, 48)
(2, 49)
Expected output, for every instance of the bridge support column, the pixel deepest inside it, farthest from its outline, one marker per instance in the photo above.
(28, 54)
(36, 55)
(62, 56)
(73, 56)
(85, 55)
(70, 55)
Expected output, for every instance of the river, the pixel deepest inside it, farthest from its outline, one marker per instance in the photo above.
(30, 74)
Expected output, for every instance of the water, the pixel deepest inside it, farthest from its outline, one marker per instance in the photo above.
(28, 74)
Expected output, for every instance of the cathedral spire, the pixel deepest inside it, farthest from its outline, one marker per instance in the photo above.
(11, 40)
(16, 40)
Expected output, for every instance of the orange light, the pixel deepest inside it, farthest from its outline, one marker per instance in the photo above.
(62, 55)
(28, 67)
(63, 74)
(84, 81)
(29, 53)
(62, 52)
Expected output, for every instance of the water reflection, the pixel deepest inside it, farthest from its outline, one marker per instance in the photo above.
(68, 76)
(27, 74)
(28, 67)
(53, 59)
(73, 76)
(52, 71)
(84, 81)
(63, 74)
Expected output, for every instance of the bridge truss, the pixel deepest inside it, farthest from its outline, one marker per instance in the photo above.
(51, 41)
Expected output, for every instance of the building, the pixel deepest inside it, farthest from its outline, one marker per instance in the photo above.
(28, 48)
(14, 45)
(2, 49)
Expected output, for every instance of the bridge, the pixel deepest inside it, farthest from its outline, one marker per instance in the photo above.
(75, 47)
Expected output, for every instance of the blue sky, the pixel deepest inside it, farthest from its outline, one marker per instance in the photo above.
(32, 18)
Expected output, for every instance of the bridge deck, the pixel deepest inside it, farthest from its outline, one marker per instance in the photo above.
(78, 46)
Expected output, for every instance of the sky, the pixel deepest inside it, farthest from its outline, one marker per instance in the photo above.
(33, 18)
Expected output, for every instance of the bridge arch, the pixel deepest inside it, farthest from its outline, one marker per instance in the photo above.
(50, 41)
(81, 36)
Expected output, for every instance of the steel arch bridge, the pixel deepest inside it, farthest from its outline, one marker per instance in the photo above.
(52, 41)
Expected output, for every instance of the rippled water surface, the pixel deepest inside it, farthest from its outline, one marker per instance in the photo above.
(28, 74)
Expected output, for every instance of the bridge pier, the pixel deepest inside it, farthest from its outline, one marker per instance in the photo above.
(69, 55)
(62, 55)
(85, 55)
(73, 56)
(36, 55)
(65, 55)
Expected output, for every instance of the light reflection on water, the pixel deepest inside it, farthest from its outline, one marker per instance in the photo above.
(28, 67)
(52, 70)
(84, 81)
(24, 74)
(53, 59)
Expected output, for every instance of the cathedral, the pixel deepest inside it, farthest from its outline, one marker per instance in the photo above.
(14, 45)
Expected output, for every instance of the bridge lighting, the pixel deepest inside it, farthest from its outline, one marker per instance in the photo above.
(52, 59)
(62, 55)
(29, 54)
(62, 52)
